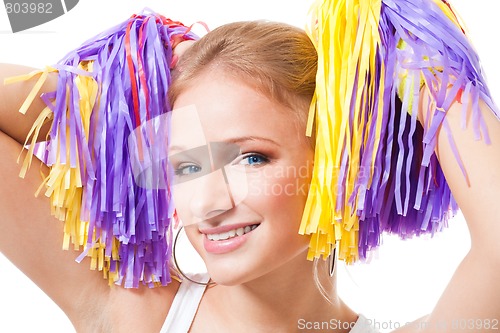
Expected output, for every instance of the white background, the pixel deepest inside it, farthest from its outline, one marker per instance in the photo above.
(401, 285)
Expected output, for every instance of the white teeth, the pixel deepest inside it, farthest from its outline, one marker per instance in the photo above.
(231, 233)
(223, 236)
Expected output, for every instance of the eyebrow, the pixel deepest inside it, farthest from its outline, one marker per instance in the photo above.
(237, 140)
(251, 138)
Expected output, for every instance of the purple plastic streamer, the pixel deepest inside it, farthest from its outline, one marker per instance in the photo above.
(116, 206)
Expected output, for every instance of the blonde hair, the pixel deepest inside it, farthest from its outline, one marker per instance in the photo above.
(277, 59)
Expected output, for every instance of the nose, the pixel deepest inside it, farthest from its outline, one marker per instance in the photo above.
(211, 196)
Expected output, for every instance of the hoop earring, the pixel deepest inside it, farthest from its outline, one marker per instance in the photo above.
(332, 258)
(209, 283)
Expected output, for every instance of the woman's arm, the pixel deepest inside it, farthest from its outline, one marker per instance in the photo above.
(471, 300)
(12, 96)
(30, 236)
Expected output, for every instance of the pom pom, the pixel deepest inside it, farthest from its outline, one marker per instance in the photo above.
(375, 168)
(111, 85)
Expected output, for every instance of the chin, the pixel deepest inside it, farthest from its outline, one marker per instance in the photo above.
(230, 272)
(228, 281)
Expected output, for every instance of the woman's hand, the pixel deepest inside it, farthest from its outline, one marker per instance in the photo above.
(179, 50)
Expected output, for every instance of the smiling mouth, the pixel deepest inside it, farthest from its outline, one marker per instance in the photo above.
(232, 233)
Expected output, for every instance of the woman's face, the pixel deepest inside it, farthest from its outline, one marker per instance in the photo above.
(242, 168)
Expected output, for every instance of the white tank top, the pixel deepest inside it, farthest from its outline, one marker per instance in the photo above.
(188, 298)
(185, 304)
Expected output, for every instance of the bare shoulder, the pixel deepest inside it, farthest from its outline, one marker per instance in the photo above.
(128, 310)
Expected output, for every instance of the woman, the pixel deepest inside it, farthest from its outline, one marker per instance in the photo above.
(263, 288)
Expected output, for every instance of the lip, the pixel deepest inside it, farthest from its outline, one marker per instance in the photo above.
(226, 245)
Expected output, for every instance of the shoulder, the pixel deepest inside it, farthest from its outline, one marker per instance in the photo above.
(126, 309)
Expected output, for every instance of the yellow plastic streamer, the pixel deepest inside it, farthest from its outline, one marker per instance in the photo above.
(36, 88)
(345, 34)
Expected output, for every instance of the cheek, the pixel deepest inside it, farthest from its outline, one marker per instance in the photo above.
(194, 238)
(279, 196)
(282, 208)
(181, 196)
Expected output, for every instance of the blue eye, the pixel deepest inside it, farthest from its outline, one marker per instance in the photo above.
(254, 160)
(186, 169)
